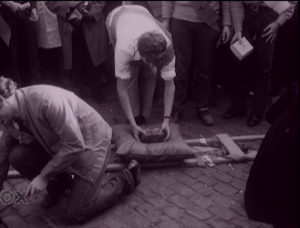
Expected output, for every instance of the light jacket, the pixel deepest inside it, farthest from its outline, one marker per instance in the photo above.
(70, 130)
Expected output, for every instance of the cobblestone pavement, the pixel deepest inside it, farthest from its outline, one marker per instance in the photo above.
(167, 197)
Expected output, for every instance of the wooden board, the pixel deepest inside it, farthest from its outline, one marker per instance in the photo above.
(234, 151)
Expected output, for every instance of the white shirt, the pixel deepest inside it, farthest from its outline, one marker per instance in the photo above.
(129, 27)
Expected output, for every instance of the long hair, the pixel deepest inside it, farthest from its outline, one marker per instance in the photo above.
(152, 46)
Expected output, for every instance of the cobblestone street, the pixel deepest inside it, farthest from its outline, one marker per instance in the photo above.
(173, 197)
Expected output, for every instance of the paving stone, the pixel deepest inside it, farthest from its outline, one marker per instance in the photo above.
(208, 180)
(239, 184)
(14, 221)
(216, 222)
(225, 168)
(239, 197)
(225, 189)
(239, 208)
(247, 169)
(148, 211)
(155, 200)
(247, 223)
(36, 221)
(184, 190)
(123, 211)
(238, 174)
(222, 177)
(221, 199)
(137, 221)
(180, 201)
(60, 221)
(112, 221)
(198, 213)
(222, 212)
(166, 222)
(193, 172)
(173, 211)
(185, 179)
(240, 166)
(191, 222)
(201, 201)
(201, 188)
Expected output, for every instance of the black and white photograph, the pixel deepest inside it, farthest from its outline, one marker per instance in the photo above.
(149, 114)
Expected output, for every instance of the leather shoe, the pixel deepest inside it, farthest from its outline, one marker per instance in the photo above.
(176, 116)
(253, 121)
(205, 117)
(232, 114)
(134, 168)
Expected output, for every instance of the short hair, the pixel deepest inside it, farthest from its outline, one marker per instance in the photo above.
(7, 87)
(152, 46)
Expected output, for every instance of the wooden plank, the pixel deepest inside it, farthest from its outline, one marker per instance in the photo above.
(234, 151)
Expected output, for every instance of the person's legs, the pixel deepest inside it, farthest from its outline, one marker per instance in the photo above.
(183, 45)
(147, 82)
(264, 63)
(87, 200)
(206, 40)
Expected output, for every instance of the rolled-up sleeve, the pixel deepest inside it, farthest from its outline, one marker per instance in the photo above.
(287, 14)
(122, 63)
(62, 119)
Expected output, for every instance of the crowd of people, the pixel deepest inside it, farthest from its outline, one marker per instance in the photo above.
(66, 43)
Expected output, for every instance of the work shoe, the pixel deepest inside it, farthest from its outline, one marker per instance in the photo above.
(205, 117)
(253, 121)
(134, 168)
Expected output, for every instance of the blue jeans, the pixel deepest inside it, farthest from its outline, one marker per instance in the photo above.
(260, 60)
(198, 40)
(86, 200)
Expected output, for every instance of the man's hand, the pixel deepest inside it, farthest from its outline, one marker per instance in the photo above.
(165, 126)
(38, 184)
(226, 34)
(136, 130)
(73, 4)
(237, 36)
(15, 6)
(34, 15)
(166, 22)
(271, 30)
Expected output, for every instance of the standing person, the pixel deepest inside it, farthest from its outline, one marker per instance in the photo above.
(59, 133)
(85, 45)
(272, 191)
(195, 30)
(142, 47)
(49, 44)
(20, 17)
(258, 22)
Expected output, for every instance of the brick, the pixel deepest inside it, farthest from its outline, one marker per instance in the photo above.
(225, 189)
(155, 200)
(193, 172)
(183, 190)
(216, 222)
(239, 174)
(225, 168)
(239, 197)
(14, 221)
(163, 178)
(198, 213)
(162, 190)
(221, 199)
(222, 212)
(201, 201)
(185, 179)
(238, 184)
(240, 166)
(173, 212)
(191, 222)
(247, 223)
(148, 211)
(166, 222)
(222, 177)
(180, 201)
(123, 211)
(239, 208)
(208, 180)
(113, 221)
(201, 188)
(247, 169)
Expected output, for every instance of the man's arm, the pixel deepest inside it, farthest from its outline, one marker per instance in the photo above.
(122, 85)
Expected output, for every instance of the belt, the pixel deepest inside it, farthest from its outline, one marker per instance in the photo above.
(255, 7)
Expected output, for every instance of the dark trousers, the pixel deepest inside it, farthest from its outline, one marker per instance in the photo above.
(86, 200)
(23, 35)
(196, 40)
(260, 60)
